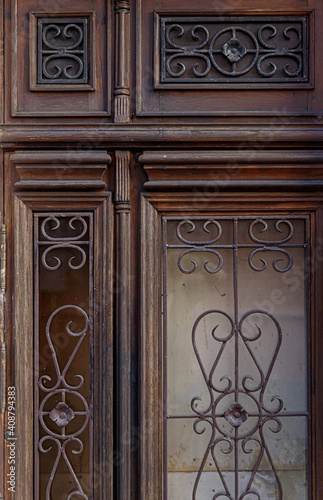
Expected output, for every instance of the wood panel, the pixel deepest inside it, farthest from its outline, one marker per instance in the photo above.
(157, 100)
(183, 204)
(150, 456)
(23, 344)
(27, 100)
(48, 170)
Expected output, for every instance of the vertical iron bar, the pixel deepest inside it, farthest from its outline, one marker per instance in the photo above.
(36, 356)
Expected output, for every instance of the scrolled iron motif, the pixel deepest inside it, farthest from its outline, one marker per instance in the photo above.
(72, 242)
(243, 48)
(62, 413)
(200, 246)
(57, 222)
(237, 410)
(237, 414)
(271, 246)
(62, 51)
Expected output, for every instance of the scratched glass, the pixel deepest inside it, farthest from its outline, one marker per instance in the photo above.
(236, 344)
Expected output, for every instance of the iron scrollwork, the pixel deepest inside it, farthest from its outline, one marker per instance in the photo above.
(239, 399)
(73, 241)
(247, 49)
(62, 414)
(63, 51)
(200, 246)
(63, 400)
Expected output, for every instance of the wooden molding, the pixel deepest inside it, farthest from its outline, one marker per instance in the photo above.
(122, 79)
(246, 169)
(49, 170)
(23, 328)
(181, 136)
(149, 363)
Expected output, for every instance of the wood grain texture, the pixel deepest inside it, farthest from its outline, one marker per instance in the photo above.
(103, 350)
(23, 338)
(29, 103)
(172, 135)
(150, 451)
(154, 101)
(224, 170)
(50, 170)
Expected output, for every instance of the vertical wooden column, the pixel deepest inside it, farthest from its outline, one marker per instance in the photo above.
(122, 77)
(123, 324)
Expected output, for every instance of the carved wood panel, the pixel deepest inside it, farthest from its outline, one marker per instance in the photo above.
(59, 59)
(246, 61)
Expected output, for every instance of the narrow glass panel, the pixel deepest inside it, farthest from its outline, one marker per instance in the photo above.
(63, 352)
(236, 344)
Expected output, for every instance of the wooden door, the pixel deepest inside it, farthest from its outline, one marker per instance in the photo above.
(161, 263)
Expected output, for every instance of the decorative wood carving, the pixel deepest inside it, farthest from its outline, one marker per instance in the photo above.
(122, 73)
(227, 49)
(247, 169)
(124, 323)
(122, 192)
(61, 169)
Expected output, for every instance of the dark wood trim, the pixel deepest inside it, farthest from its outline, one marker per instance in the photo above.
(124, 324)
(245, 157)
(48, 170)
(23, 341)
(188, 136)
(103, 349)
(150, 463)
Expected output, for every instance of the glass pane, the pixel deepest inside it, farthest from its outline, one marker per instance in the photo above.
(63, 336)
(236, 412)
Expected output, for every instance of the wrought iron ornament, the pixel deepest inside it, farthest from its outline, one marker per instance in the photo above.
(241, 401)
(59, 401)
(62, 51)
(233, 49)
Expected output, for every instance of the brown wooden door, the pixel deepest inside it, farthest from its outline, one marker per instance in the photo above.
(161, 211)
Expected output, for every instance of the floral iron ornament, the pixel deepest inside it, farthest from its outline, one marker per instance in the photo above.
(248, 49)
